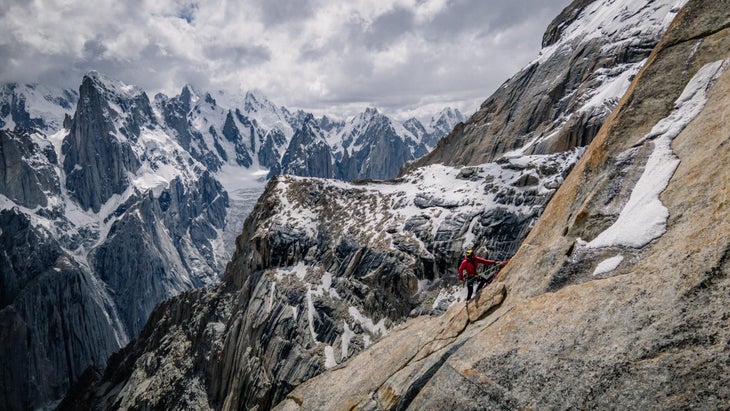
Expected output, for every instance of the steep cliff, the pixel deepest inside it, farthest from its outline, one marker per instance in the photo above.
(590, 53)
(56, 317)
(100, 222)
(130, 192)
(372, 146)
(618, 297)
(27, 169)
(308, 154)
(254, 133)
(323, 270)
(97, 152)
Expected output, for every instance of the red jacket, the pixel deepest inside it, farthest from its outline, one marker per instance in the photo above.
(468, 267)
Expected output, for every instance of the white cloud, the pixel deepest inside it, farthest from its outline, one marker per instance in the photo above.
(320, 55)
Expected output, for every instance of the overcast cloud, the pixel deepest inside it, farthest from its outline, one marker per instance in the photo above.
(324, 56)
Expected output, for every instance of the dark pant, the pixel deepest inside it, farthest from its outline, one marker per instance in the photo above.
(480, 283)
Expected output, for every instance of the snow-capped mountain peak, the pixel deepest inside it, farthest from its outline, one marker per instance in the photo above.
(616, 21)
(255, 100)
(439, 125)
(115, 87)
(188, 96)
(446, 119)
(35, 106)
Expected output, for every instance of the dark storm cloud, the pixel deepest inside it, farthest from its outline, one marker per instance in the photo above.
(93, 50)
(239, 54)
(305, 53)
(278, 12)
(389, 27)
(487, 16)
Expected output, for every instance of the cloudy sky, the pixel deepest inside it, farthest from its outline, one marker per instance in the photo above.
(325, 56)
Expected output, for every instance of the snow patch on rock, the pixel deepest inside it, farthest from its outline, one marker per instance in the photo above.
(608, 265)
(644, 218)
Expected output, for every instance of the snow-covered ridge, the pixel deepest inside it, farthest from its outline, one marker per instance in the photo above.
(426, 217)
(558, 101)
(619, 26)
(435, 190)
(160, 147)
(615, 22)
(166, 225)
(46, 107)
(116, 87)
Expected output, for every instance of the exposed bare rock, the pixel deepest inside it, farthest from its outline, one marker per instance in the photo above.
(97, 152)
(559, 101)
(318, 279)
(308, 153)
(326, 273)
(26, 169)
(47, 300)
(429, 343)
(78, 279)
(645, 331)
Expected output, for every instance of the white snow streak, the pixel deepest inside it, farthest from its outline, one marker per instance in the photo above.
(644, 217)
(310, 315)
(618, 21)
(329, 357)
(613, 88)
(347, 336)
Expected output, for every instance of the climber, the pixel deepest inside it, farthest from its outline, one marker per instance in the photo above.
(468, 272)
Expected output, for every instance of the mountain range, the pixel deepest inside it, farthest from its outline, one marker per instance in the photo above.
(111, 202)
(598, 171)
(343, 295)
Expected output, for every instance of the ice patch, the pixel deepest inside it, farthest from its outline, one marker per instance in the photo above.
(423, 285)
(299, 270)
(449, 296)
(612, 89)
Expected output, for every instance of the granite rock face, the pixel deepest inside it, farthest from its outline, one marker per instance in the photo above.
(161, 246)
(88, 254)
(28, 171)
(324, 269)
(308, 154)
(600, 312)
(559, 101)
(326, 274)
(372, 148)
(48, 300)
(130, 190)
(98, 151)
